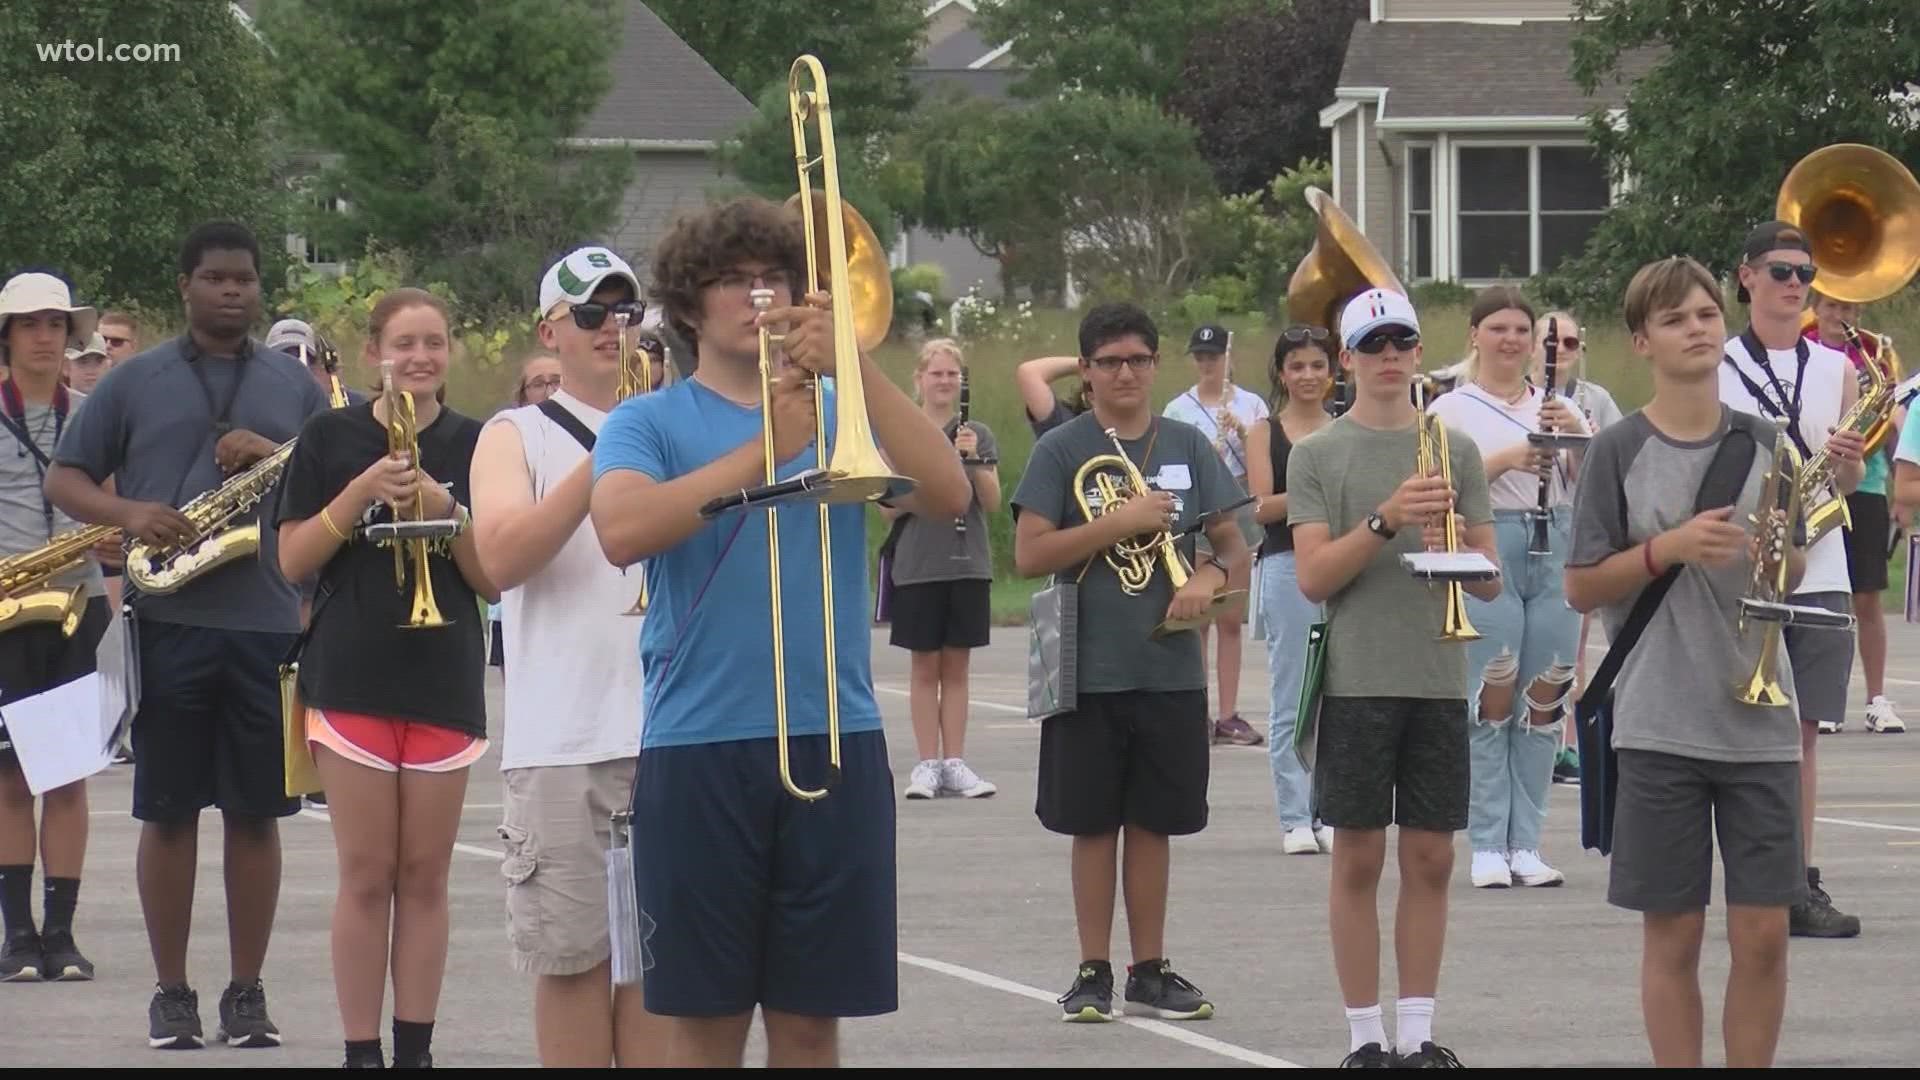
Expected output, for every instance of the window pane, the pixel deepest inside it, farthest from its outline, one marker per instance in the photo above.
(1419, 178)
(1420, 246)
(1563, 236)
(1572, 178)
(1493, 178)
(1494, 246)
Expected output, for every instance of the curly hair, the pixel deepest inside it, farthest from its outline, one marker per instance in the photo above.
(707, 243)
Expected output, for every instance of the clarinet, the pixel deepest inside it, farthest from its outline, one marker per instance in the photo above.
(1542, 544)
(966, 411)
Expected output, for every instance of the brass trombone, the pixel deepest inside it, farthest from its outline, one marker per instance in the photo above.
(633, 382)
(861, 289)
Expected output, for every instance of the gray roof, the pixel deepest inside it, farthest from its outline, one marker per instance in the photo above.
(991, 84)
(662, 89)
(1442, 69)
(955, 51)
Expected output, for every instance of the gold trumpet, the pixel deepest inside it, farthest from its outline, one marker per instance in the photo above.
(633, 382)
(1431, 457)
(409, 536)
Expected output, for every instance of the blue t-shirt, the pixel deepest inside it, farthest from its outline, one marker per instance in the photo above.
(708, 656)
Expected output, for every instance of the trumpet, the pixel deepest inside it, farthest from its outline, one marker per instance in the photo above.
(409, 536)
(1433, 457)
(633, 382)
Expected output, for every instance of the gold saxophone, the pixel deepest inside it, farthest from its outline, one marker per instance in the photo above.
(159, 571)
(1826, 506)
(25, 596)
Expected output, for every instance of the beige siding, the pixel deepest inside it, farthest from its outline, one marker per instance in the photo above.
(1392, 239)
(1380, 189)
(1347, 168)
(663, 184)
(1475, 9)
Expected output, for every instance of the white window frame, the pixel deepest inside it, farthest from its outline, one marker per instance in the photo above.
(298, 245)
(1533, 148)
(1407, 150)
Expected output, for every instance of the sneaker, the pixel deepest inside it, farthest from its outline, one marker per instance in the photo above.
(1827, 727)
(957, 779)
(1323, 835)
(1566, 766)
(1237, 732)
(1090, 1001)
(173, 1019)
(1154, 990)
(924, 783)
(1300, 841)
(1881, 717)
(22, 958)
(1370, 1056)
(1431, 1056)
(1490, 870)
(64, 962)
(1817, 917)
(243, 1016)
(1529, 869)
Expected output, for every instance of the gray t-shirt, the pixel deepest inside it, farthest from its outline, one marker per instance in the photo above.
(1117, 649)
(930, 549)
(150, 426)
(1382, 628)
(27, 520)
(1675, 693)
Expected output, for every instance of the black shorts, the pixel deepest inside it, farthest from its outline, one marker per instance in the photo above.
(1137, 758)
(759, 898)
(1869, 541)
(39, 657)
(934, 615)
(208, 729)
(1668, 811)
(1393, 761)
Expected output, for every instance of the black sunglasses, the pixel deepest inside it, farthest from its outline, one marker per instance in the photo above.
(1569, 344)
(591, 316)
(1300, 335)
(1781, 271)
(1376, 343)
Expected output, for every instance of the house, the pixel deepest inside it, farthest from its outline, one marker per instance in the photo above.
(1459, 138)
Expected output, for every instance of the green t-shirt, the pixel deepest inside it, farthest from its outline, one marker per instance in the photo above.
(1118, 651)
(1382, 628)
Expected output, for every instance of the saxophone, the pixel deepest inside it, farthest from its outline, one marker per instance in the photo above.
(1826, 506)
(25, 596)
(159, 571)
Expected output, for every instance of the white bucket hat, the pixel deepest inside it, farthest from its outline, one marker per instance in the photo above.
(24, 294)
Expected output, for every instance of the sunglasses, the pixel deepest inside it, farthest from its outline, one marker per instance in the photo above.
(1569, 344)
(1376, 343)
(1138, 361)
(1781, 271)
(1300, 335)
(113, 341)
(593, 316)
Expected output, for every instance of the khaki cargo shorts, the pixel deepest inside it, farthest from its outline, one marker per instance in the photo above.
(557, 829)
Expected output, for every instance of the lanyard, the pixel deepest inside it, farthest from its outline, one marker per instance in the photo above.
(216, 414)
(1780, 405)
(16, 412)
(1558, 472)
(1213, 421)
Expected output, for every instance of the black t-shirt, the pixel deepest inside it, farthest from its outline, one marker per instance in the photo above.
(1279, 536)
(359, 659)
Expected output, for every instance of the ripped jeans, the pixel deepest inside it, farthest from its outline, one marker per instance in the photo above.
(1512, 759)
(1286, 617)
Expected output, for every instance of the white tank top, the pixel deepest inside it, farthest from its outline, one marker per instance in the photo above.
(573, 686)
(1827, 372)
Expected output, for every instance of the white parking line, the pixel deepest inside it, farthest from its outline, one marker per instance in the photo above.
(1867, 824)
(465, 849)
(899, 691)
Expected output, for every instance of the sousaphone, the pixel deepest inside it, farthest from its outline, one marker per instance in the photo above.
(1340, 265)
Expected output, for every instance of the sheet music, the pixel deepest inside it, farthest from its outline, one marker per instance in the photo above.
(61, 735)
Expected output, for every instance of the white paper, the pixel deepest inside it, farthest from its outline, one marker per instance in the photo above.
(58, 736)
(1446, 564)
(116, 698)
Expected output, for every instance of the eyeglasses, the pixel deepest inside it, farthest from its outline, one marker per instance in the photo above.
(592, 316)
(1138, 361)
(542, 382)
(739, 281)
(1376, 343)
(1781, 271)
(1300, 335)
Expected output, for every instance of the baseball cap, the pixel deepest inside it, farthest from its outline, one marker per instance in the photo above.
(574, 278)
(1208, 338)
(1771, 236)
(1372, 310)
(95, 346)
(288, 335)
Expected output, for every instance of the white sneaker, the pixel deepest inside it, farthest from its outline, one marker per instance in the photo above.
(1529, 869)
(1827, 727)
(1490, 870)
(1300, 841)
(1323, 835)
(924, 783)
(957, 779)
(1881, 717)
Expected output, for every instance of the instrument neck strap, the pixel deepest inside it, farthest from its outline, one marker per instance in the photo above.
(1780, 404)
(16, 415)
(219, 416)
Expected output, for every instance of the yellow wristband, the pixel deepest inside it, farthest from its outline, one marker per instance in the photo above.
(332, 528)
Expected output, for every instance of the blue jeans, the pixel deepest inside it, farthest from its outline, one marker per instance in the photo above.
(1512, 759)
(1287, 615)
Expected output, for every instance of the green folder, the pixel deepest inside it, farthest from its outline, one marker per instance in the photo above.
(1306, 726)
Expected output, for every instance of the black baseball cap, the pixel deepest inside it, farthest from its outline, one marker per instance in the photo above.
(1208, 338)
(1771, 236)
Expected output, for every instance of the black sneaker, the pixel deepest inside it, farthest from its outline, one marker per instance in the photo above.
(173, 1020)
(1090, 1001)
(1817, 917)
(1370, 1056)
(1154, 990)
(243, 1017)
(424, 1061)
(64, 962)
(21, 958)
(1431, 1056)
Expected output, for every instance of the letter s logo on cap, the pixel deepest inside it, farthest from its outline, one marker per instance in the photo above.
(599, 261)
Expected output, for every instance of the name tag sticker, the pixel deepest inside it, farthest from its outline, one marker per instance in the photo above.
(1173, 477)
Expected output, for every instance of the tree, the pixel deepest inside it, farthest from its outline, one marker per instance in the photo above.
(445, 121)
(109, 165)
(1739, 92)
(866, 47)
(1255, 83)
(1116, 47)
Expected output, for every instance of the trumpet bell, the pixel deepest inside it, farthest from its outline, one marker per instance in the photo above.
(1340, 264)
(869, 281)
(1860, 209)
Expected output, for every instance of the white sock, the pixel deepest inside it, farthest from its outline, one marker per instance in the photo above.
(1366, 1026)
(1413, 1023)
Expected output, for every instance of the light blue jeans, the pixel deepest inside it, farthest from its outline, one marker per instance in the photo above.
(1513, 760)
(1287, 616)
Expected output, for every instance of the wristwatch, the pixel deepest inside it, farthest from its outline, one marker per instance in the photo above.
(1377, 525)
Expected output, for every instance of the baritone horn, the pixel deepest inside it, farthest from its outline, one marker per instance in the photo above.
(843, 249)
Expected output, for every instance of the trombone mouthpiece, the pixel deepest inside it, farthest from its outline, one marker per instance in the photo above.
(762, 299)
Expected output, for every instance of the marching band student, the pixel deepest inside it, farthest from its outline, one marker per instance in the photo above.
(1132, 757)
(1772, 371)
(1223, 412)
(1035, 379)
(121, 334)
(569, 738)
(86, 363)
(1523, 661)
(1392, 742)
(942, 573)
(162, 428)
(395, 714)
(38, 319)
(759, 898)
(1693, 759)
(1301, 374)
